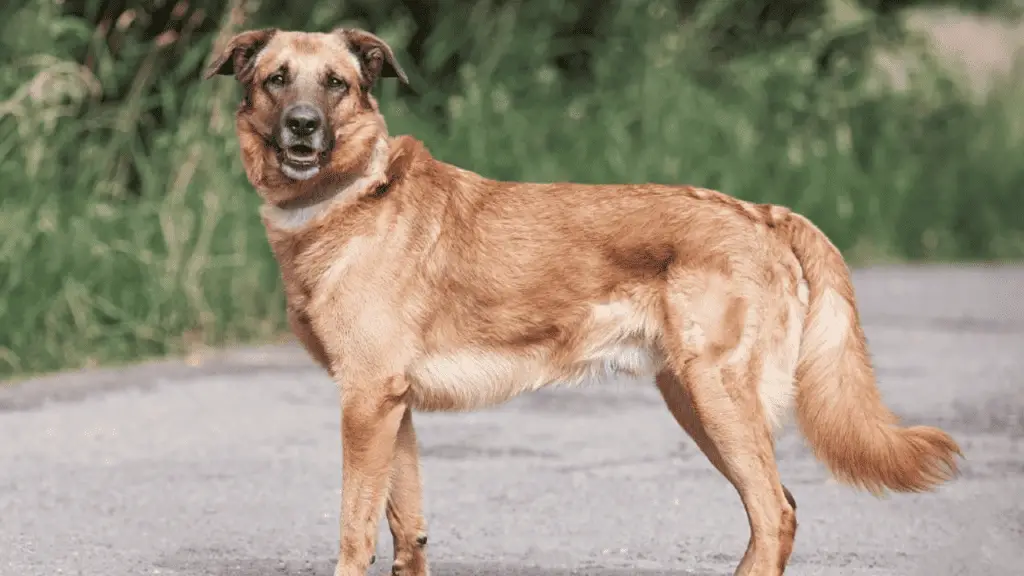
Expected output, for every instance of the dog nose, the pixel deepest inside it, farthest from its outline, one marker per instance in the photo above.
(302, 119)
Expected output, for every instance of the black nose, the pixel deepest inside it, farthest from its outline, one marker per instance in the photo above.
(302, 119)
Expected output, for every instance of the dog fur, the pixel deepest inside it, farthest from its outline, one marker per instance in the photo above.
(420, 286)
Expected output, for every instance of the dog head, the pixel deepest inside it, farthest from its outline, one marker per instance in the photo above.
(307, 115)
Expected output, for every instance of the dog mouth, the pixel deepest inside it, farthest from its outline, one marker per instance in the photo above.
(300, 161)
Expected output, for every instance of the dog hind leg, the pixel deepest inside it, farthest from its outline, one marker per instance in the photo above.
(714, 402)
(682, 410)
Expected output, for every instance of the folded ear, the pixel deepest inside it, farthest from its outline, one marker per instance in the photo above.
(375, 56)
(239, 52)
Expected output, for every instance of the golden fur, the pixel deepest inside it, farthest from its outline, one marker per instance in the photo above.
(422, 286)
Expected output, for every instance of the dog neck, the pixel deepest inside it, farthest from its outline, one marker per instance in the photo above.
(297, 214)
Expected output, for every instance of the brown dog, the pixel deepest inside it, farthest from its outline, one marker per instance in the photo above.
(421, 286)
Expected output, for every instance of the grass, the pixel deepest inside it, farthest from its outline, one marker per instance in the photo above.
(125, 236)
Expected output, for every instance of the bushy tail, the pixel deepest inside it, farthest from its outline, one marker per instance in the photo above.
(838, 406)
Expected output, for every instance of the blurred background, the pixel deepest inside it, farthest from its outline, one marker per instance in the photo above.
(127, 228)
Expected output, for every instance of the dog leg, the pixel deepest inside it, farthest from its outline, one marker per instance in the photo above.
(370, 421)
(742, 450)
(682, 410)
(405, 505)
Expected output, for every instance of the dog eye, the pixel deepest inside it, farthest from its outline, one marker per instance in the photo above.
(276, 80)
(334, 82)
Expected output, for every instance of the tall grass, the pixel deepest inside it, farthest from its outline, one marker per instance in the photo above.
(118, 243)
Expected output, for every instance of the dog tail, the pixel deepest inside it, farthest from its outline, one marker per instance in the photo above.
(838, 406)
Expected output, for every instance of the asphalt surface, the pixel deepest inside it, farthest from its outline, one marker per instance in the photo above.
(232, 467)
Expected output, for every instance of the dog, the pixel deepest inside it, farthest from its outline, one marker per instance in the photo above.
(421, 286)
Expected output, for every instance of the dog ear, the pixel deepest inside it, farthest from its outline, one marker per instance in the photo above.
(239, 52)
(375, 55)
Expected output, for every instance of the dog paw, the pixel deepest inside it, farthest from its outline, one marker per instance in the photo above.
(342, 570)
(400, 568)
(399, 571)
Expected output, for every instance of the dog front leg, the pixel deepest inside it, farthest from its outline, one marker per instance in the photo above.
(405, 505)
(370, 419)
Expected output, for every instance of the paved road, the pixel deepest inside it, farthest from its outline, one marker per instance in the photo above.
(231, 468)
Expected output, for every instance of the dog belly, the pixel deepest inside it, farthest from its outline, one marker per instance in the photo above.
(616, 338)
(620, 359)
(474, 379)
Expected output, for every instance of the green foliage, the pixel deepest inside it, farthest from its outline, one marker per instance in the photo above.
(129, 230)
